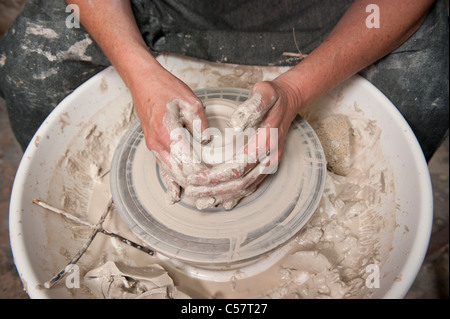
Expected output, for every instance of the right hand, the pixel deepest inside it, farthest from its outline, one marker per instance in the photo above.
(271, 108)
(165, 106)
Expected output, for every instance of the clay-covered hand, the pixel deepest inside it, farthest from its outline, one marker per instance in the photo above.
(171, 116)
(269, 110)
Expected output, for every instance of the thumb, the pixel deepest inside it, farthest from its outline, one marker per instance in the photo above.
(252, 111)
(194, 118)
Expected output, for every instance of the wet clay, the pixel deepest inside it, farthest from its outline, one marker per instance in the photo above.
(334, 135)
(351, 229)
(216, 236)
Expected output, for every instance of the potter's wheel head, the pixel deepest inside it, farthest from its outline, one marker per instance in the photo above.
(259, 223)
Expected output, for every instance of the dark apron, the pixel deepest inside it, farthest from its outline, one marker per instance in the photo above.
(38, 68)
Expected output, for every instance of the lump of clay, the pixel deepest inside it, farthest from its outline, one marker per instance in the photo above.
(114, 280)
(334, 134)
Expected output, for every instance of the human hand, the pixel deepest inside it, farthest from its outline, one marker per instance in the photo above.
(271, 107)
(171, 116)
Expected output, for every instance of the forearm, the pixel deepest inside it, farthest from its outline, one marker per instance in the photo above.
(352, 46)
(113, 27)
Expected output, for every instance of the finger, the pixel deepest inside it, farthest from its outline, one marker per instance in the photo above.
(228, 201)
(259, 149)
(219, 173)
(182, 151)
(170, 167)
(194, 119)
(231, 188)
(179, 143)
(173, 189)
(172, 177)
(252, 111)
(205, 203)
(243, 162)
(172, 118)
(229, 204)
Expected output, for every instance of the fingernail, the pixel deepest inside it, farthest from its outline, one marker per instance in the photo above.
(205, 202)
(172, 198)
(196, 179)
(229, 205)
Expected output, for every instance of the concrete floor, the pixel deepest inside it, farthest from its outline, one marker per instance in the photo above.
(432, 281)
(10, 155)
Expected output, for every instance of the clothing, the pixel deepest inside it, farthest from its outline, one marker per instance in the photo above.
(42, 61)
(254, 32)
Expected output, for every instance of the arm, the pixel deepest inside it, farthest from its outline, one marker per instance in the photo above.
(349, 48)
(162, 101)
(352, 46)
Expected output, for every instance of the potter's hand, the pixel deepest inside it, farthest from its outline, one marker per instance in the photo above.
(349, 48)
(270, 109)
(171, 115)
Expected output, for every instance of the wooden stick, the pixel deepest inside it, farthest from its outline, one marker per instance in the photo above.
(98, 228)
(82, 250)
(297, 55)
(62, 213)
(102, 230)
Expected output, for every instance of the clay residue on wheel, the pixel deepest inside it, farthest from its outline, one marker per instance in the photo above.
(350, 232)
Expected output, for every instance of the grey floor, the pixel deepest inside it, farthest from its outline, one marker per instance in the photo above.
(431, 283)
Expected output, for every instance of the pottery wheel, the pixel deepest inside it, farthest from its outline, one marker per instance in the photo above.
(258, 224)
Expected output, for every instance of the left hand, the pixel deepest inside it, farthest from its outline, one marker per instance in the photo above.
(271, 105)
